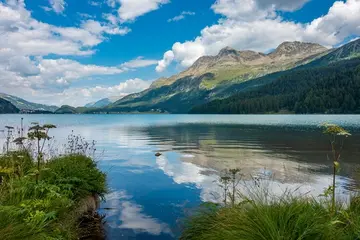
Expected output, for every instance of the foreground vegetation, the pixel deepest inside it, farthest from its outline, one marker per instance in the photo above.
(40, 198)
(285, 218)
(254, 213)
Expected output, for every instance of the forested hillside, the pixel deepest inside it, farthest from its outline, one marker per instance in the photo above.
(331, 89)
(7, 107)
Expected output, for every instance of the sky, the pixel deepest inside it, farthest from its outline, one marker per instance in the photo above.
(79, 51)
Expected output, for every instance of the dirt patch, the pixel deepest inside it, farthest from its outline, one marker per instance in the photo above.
(91, 224)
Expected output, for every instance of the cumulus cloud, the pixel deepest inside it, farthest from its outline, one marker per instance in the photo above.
(25, 66)
(70, 96)
(283, 5)
(250, 9)
(129, 9)
(52, 79)
(255, 25)
(181, 16)
(58, 5)
(165, 62)
(139, 62)
(50, 74)
(28, 37)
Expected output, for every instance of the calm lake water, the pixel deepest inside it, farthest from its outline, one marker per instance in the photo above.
(150, 196)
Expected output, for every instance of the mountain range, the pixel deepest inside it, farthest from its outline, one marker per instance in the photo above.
(228, 73)
(26, 105)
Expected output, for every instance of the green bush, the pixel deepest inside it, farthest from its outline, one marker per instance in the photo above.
(285, 219)
(77, 174)
(43, 208)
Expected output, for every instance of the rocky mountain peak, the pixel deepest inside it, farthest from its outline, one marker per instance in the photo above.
(296, 48)
(228, 51)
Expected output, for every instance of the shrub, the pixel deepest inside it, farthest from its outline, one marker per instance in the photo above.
(75, 173)
(43, 208)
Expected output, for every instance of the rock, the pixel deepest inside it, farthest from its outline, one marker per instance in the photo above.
(158, 154)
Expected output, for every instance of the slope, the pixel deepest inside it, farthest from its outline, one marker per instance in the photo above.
(7, 107)
(25, 105)
(207, 78)
(326, 89)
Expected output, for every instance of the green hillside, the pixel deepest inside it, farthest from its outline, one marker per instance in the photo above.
(327, 89)
(26, 105)
(7, 107)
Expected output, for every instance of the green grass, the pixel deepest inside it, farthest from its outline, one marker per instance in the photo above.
(284, 219)
(45, 210)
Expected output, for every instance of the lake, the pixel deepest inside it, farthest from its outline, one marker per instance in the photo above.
(150, 196)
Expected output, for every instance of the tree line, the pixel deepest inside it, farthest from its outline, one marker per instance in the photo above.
(331, 89)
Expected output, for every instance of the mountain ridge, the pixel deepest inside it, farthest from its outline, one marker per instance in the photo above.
(247, 64)
(7, 107)
(102, 102)
(23, 104)
(228, 67)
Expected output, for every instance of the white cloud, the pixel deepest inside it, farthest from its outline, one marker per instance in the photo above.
(129, 9)
(97, 28)
(50, 74)
(112, 3)
(29, 37)
(58, 6)
(283, 5)
(95, 3)
(165, 62)
(70, 96)
(254, 9)
(139, 62)
(25, 67)
(252, 24)
(85, 15)
(181, 16)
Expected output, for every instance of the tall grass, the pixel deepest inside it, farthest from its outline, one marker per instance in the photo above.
(44, 209)
(287, 218)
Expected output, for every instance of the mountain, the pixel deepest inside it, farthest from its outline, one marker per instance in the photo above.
(25, 105)
(325, 89)
(66, 109)
(102, 102)
(239, 66)
(7, 107)
(206, 78)
(348, 51)
(228, 73)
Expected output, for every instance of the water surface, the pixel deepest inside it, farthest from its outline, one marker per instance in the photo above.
(151, 195)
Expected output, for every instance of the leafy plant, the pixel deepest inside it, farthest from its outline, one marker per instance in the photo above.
(337, 138)
(40, 135)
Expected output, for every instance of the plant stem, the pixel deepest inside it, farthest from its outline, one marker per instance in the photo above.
(333, 188)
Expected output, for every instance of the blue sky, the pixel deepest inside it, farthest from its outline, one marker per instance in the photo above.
(74, 52)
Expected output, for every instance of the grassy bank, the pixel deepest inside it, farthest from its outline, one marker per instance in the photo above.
(41, 203)
(282, 219)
